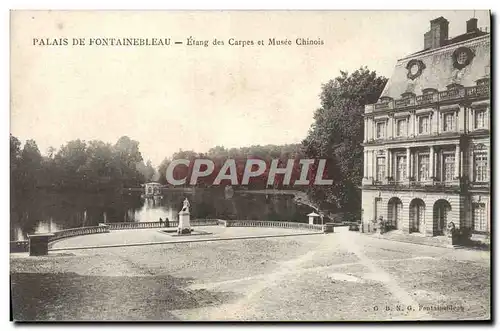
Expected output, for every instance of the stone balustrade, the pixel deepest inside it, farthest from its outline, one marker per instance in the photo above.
(469, 92)
(150, 225)
(139, 225)
(101, 228)
(204, 222)
(23, 246)
(273, 224)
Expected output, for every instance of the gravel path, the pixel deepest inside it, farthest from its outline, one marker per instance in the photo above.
(141, 236)
(340, 276)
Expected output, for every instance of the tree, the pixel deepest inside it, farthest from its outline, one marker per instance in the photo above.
(128, 150)
(337, 135)
(15, 154)
(101, 168)
(77, 165)
(147, 170)
(70, 163)
(30, 166)
(162, 170)
(127, 155)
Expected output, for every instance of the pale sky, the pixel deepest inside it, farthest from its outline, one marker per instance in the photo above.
(193, 97)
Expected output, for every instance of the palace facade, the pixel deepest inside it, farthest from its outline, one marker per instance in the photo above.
(427, 139)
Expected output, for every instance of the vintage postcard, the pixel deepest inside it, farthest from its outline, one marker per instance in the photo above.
(250, 166)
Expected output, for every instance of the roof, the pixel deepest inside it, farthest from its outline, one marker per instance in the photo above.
(439, 71)
(463, 37)
(312, 214)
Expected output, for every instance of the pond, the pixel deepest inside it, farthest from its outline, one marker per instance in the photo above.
(49, 212)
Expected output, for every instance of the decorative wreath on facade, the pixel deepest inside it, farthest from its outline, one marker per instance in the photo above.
(415, 68)
(462, 57)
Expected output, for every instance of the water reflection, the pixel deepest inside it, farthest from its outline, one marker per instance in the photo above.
(153, 209)
(55, 211)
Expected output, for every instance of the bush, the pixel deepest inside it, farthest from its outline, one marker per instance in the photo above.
(461, 235)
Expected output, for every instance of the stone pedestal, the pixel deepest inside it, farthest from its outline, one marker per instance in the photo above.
(184, 223)
(39, 244)
(328, 228)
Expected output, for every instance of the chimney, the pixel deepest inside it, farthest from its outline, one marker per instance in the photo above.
(438, 35)
(472, 25)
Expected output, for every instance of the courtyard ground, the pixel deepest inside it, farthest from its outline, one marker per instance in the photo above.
(343, 276)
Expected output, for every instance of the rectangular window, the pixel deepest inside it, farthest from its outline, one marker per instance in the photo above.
(380, 168)
(380, 129)
(481, 167)
(423, 124)
(401, 128)
(401, 167)
(479, 217)
(449, 167)
(449, 122)
(480, 118)
(423, 167)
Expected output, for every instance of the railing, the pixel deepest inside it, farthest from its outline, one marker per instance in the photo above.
(272, 224)
(404, 102)
(139, 225)
(427, 184)
(204, 222)
(79, 232)
(426, 99)
(19, 246)
(23, 246)
(151, 225)
(477, 91)
(451, 94)
(214, 222)
(448, 95)
(383, 105)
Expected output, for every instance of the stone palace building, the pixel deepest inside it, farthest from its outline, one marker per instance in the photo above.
(427, 139)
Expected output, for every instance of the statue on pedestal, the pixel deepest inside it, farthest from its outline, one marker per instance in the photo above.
(184, 226)
(186, 205)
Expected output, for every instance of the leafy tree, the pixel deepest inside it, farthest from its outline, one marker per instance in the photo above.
(128, 151)
(30, 165)
(162, 170)
(337, 135)
(70, 162)
(77, 165)
(15, 154)
(100, 168)
(15, 158)
(147, 170)
(127, 155)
